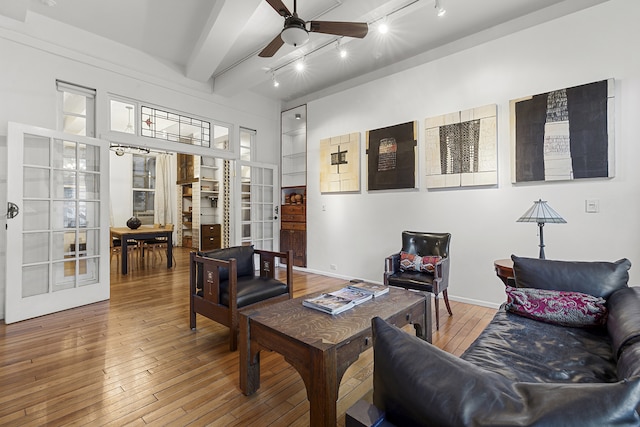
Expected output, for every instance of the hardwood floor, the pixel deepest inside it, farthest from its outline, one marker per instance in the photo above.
(134, 361)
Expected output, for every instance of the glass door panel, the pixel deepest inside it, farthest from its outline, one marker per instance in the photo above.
(62, 261)
(257, 206)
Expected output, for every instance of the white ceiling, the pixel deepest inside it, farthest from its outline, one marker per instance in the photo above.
(218, 40)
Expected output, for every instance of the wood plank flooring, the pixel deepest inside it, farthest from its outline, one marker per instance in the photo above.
(134, 361)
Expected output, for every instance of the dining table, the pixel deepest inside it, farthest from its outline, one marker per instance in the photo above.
(125, 234)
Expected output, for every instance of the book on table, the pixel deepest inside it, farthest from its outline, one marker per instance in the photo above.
(355, 295)
(371, 288)
(328, 303)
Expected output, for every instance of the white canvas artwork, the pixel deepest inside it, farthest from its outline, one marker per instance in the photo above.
(461, 148)
(340, 164)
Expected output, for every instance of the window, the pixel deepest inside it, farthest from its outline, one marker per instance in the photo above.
(77, 109)
(122, 116)
(247, 144)
(168, 126)
(129, 116)
(144, 185)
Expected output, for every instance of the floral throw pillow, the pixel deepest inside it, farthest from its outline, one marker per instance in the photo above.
(558, 307)
(412, 262)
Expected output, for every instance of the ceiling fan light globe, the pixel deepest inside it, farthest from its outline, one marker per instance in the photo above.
(294, 36)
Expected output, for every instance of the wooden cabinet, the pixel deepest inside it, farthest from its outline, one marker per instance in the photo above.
(200, 189)
(210, 237)
(293, 226)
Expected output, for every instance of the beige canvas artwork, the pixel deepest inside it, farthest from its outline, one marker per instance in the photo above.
(340, 164)
(461, 148)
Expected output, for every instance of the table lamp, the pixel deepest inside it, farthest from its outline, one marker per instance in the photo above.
(541, 213)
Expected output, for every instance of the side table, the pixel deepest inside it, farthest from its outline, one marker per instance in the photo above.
(504, 271)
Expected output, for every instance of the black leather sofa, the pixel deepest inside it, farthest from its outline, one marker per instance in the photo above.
(520, 371)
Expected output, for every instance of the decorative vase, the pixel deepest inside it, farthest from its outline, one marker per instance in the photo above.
(133, 223)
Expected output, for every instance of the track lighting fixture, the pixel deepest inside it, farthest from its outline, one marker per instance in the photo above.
(300, 65)
(383, 27)
(440, 10)
(276, 83)
(341, 50)
(121, 150)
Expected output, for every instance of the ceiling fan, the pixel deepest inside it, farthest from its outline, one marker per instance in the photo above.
(295, 31)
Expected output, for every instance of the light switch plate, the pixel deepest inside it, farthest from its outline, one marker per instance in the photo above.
(592, 206)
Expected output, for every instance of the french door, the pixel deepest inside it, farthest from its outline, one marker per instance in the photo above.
(58, 243)
(259, 199)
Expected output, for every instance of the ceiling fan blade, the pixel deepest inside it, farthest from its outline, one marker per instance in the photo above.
(272, 47)
(349, 29)
(279, 7)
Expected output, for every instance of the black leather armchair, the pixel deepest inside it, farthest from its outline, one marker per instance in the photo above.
(225, 281)
(422, 244)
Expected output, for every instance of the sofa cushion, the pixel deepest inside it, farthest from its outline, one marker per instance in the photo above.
(417, 384)
(600, 279)
(243, 256)
(559, 307)
(527, 350)
(624, 318)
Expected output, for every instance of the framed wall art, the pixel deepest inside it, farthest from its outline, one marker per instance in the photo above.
(461, 148)
(564, 134)
(340, 164)
(391, 157)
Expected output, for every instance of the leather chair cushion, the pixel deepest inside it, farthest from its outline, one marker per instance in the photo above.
(599, 279)
(252, 290)
(244, 260)
(417, 384)
(412, 280)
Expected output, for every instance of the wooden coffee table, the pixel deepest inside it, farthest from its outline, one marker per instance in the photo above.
(320, 346)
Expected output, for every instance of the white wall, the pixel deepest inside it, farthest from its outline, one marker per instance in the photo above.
(28, 95)
(356, 231)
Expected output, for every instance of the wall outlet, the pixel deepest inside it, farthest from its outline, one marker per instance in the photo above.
(333, 267)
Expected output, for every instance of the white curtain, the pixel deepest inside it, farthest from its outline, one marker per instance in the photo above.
(164, 203)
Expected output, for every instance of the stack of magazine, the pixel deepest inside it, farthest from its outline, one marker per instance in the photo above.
(345, 298)
(371, 288)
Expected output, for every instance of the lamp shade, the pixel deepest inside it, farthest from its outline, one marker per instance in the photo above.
(541, 213)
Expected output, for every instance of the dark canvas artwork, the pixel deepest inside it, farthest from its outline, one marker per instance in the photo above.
(565, 134)
(391, 157)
